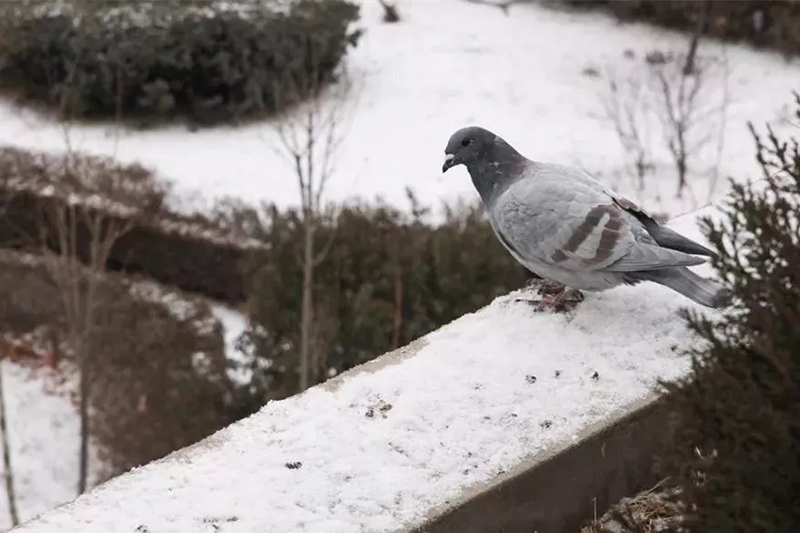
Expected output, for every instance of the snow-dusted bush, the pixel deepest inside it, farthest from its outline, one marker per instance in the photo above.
(157, 60)
(736, 446)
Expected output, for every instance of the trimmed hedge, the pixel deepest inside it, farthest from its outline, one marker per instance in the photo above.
(768, 23)
(200, 254)
(209, 62)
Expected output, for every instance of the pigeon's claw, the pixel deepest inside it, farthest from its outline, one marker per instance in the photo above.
(551, 287)
(558, 299)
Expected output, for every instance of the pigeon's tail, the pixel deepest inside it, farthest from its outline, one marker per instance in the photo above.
(704, 291)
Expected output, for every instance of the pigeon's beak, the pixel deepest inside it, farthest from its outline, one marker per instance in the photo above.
(449, 160)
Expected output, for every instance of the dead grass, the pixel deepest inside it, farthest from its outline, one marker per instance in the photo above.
(658, 510)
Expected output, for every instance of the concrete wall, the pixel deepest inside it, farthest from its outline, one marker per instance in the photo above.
(470, 440)
(560, 490)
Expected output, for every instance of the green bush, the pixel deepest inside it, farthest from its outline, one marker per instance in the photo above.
(736, 450)
(208, 62)
(386, 280)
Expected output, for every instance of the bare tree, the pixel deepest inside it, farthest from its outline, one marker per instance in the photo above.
(625, 102)
(678, 103)
(90, 210)
(79, 239)
(688, 110)
(682, 98)
(310, 131)
(78, 228)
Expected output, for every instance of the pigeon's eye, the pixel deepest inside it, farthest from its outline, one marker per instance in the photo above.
(466, 142)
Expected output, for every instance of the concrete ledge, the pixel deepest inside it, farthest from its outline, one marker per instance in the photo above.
(559, 490)
(505, 420)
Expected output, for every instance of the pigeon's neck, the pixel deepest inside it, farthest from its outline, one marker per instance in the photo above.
(492, 176)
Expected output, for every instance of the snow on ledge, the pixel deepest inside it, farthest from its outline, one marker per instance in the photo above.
(378, 448)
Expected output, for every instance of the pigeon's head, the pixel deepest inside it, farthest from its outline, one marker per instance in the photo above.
(469, 145)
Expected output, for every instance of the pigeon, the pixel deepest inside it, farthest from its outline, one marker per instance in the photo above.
(566, 227)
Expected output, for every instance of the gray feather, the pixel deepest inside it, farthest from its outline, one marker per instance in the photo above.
(662, 235)
(649, 257)
(675, 241)
(698, 289)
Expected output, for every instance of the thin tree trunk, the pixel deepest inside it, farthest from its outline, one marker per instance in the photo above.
(307, 317)
(681, 160)
(83, 467)
(398, 297)
(9, 474)
(681, 176)
(702, 27)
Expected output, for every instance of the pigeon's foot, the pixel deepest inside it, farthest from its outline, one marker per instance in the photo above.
(561, 302)
(551, 296)
(549, 287)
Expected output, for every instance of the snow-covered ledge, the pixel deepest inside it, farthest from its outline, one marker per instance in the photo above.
(463, 430)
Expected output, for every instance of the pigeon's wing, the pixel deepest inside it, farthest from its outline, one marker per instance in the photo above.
(576, 228)
(561, 219)
(664, 236)
(655, 232)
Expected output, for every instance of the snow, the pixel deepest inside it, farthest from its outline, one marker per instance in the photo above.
(43, 429)
(449, 63)
(380, 450)
(181, 306)
(234, 323)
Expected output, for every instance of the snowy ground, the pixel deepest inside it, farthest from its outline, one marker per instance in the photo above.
(448, 64)
(380, 450)
(44, 438)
